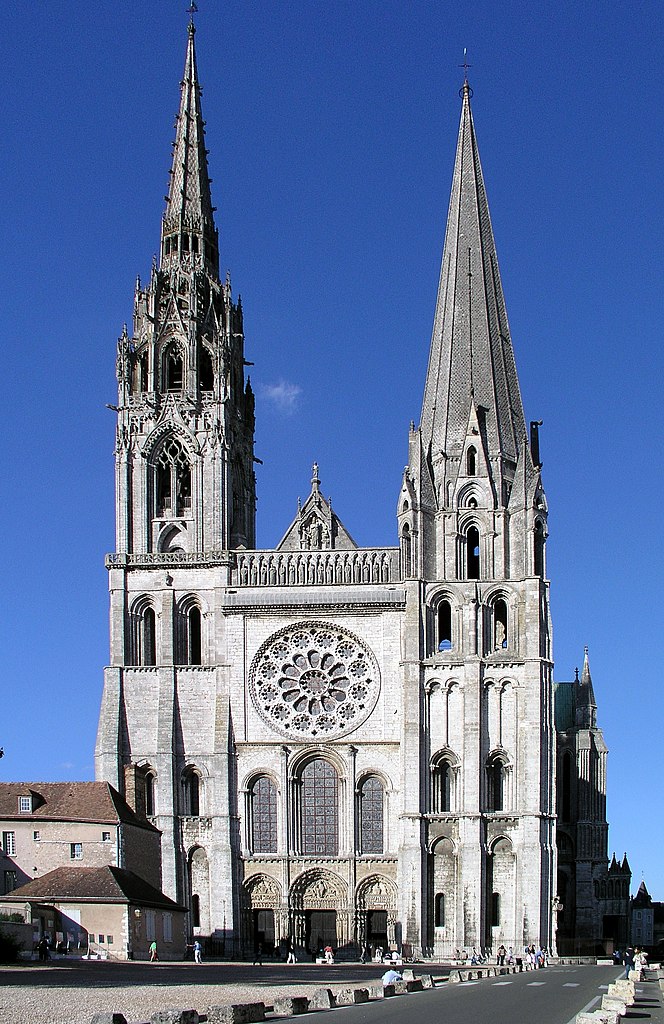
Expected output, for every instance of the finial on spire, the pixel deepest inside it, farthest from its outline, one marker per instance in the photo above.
(192, 9)
(466, 90)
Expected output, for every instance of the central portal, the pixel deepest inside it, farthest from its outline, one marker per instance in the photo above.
(321, 929)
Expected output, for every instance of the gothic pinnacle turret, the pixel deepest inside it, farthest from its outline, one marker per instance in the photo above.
(471, 364)
(188, 223)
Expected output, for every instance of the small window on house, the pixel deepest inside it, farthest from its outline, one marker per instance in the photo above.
(106, 837)
(9, 843)
(471, 461)
(25, 804)
(101, 938)
(473, 553)
(10, 881)
(444, 626)
(500, 625)
(76, 851)
(495, 909)
(36, 835)
(109, 940)
(168, 927)
(439, 910)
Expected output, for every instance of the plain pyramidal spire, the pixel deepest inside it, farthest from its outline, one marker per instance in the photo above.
(471, 359)
(188, 224)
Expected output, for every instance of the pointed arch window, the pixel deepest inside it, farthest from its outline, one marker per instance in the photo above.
(319, 809)
(406, 552)
(263, 797)
(496, 780)
(205, 369)
(191, 782)
(538, 553)
(147, 638)
(190, 630)
(444, 626)
(471, 461)
(371, 811)
(173, 369)
(500, 623)
(172, 479)
(443, 780)
(150, 794)
(472, 544)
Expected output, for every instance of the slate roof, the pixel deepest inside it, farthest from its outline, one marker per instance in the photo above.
(94, 885)
(69, 801)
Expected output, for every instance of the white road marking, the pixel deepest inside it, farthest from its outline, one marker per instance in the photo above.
(497, 983)
(533, 984)
(575, 984)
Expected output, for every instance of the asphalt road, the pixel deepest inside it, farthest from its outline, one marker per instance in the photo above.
(551, 996)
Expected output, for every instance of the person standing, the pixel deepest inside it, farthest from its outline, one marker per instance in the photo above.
(628, 960)
(153, 952)
(197, 952)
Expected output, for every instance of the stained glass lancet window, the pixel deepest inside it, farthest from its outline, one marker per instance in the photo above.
(264, 816)
(371, 816)
(320, 809)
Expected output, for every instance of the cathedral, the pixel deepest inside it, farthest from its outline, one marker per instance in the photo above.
(342, 745)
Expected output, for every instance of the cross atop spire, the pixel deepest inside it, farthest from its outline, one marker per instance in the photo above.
(188, 229)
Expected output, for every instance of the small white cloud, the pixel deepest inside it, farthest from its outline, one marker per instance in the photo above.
(282, 395)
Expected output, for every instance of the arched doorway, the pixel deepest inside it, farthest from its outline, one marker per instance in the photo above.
(319, 911)
(375, 914)
(261, 913)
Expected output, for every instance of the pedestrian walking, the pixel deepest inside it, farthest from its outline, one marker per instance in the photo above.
(197, 952)
(153, 952)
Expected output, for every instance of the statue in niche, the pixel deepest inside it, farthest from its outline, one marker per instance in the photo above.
(318, 889)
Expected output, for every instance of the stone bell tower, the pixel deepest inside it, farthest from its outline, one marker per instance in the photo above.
(184, 457)
(185, 500)
(472, 523)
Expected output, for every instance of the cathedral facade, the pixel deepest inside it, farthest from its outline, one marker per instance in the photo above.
(342, 745)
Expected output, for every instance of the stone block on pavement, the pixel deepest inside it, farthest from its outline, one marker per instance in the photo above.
(236, 1013)
(321, 999)
(174, 1017)
(291, 1006)
(427, 980)
(414, 986)
(109, 1018)
(350, 996)
(455, 977)
(618, 1006)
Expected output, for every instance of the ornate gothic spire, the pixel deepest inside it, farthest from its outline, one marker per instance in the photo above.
(188, 223)
(585, 702)
(471, 360)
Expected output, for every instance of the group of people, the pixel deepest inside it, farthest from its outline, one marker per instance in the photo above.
(536, 956)
(634, 960)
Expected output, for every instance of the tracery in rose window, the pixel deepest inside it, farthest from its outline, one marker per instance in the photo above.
(314, 679)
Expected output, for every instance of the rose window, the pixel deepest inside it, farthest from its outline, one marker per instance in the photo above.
(314, 680)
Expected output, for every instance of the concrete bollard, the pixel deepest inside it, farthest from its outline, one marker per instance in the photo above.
(618, 1006)
(408, 974)
(236, 1013)
(400, 987)
(321, 999)
(635, 976)
(291, 1006)
(427, 980)
(109, 1018)
(384, 991)
(455, 977)
(598, 1017)
(623, 990)
(350, 996)
(174, 1017)
(414, 986)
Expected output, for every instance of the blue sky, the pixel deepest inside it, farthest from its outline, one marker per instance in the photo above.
(331, 128)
